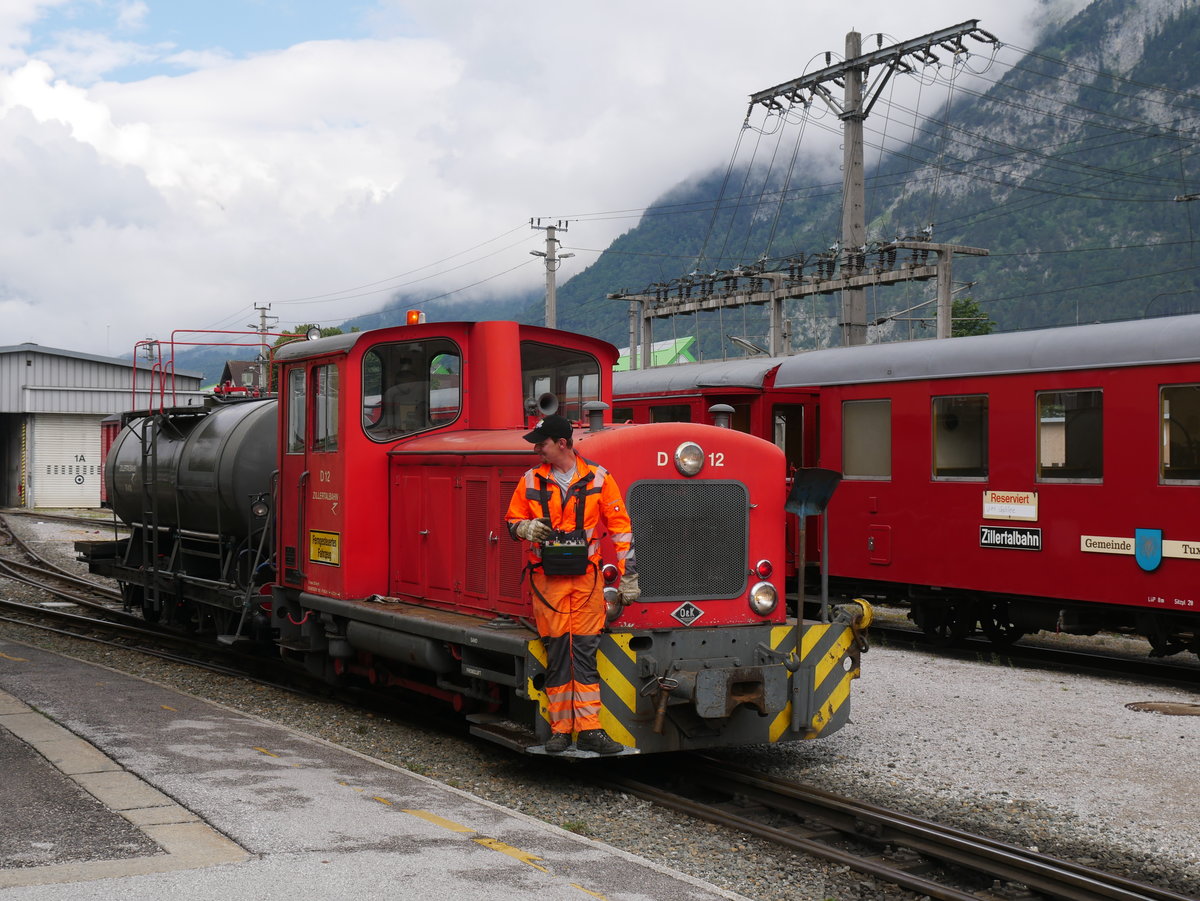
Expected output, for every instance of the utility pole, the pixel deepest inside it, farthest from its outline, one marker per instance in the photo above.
(854, 227)
(846, 269)
(945, 276)
(553, 258)
(857, 101)
(264, 353)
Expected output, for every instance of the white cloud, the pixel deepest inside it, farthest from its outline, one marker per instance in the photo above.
(180, 200)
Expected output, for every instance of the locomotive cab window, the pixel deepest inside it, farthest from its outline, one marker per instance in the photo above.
(410, 386)
(325, 408)
(295, 411)
(867, 439)
(960, 437)
(1070, 436)
(1180, 415)
(571, 376)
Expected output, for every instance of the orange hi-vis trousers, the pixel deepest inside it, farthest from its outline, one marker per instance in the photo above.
(569, 613)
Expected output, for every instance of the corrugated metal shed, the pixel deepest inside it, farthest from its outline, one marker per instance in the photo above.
(38, 379)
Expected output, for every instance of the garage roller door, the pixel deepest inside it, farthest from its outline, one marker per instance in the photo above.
(66, 468)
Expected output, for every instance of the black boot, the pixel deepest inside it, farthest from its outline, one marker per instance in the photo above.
(597, 740)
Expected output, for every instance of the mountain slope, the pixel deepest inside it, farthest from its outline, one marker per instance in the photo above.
(1063, 163)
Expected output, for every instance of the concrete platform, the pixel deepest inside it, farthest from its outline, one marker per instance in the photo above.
(119, 788)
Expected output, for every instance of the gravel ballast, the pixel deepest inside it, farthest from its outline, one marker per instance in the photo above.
(1034, 757)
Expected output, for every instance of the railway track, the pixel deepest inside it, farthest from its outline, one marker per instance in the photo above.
(916, 854)
(892, 847)
(896, 848)
(1087, 655)
(1093, 661)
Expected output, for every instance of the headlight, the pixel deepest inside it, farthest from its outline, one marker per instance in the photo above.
(612, 604)
(763, 598)
(689, 458)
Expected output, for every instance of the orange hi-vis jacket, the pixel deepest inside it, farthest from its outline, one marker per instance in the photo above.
(603, 505)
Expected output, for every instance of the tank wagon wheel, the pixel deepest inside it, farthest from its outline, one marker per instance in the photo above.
(134, 597)
(188, 616)
(997, 625)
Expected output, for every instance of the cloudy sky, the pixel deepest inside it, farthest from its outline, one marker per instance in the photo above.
(172, 165)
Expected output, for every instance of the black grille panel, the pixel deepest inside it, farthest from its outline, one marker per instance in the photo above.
(691, 538)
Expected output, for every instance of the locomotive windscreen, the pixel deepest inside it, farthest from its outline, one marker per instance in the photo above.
(692, 538)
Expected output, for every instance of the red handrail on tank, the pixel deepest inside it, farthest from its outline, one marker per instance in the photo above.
(162, 373)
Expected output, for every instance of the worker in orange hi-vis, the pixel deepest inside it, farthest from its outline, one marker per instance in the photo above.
(558, 508)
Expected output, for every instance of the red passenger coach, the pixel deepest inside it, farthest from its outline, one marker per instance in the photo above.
(1011, 483)
(356, 525)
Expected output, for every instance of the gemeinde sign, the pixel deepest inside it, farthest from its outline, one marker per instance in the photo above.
(1107, 544)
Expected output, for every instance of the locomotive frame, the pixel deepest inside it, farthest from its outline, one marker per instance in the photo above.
(354, 525)
(1006, 483)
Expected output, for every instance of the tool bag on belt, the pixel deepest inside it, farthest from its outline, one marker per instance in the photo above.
(566, 553)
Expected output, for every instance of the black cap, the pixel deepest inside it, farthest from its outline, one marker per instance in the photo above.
(550, 427)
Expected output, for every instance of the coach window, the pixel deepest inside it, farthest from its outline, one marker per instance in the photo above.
(410, 386)
(1070, 436)
(295, 411)
(789, 433)
(325, 408)
(867, 439)
(1180, 411)
(960, 437)
(671, 413)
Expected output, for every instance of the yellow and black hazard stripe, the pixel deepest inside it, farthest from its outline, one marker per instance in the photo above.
(821, 686)
(617, 664)
(818, 691)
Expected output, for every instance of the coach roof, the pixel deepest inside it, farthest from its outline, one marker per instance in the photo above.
(743, 373)
(1169, 339)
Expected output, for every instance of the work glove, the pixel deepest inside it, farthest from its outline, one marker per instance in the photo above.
(533, 529)
(628, 590)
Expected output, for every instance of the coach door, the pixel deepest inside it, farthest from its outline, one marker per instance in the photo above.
(795, 429)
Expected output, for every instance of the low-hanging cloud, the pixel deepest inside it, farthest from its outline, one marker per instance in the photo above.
(224, 181)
